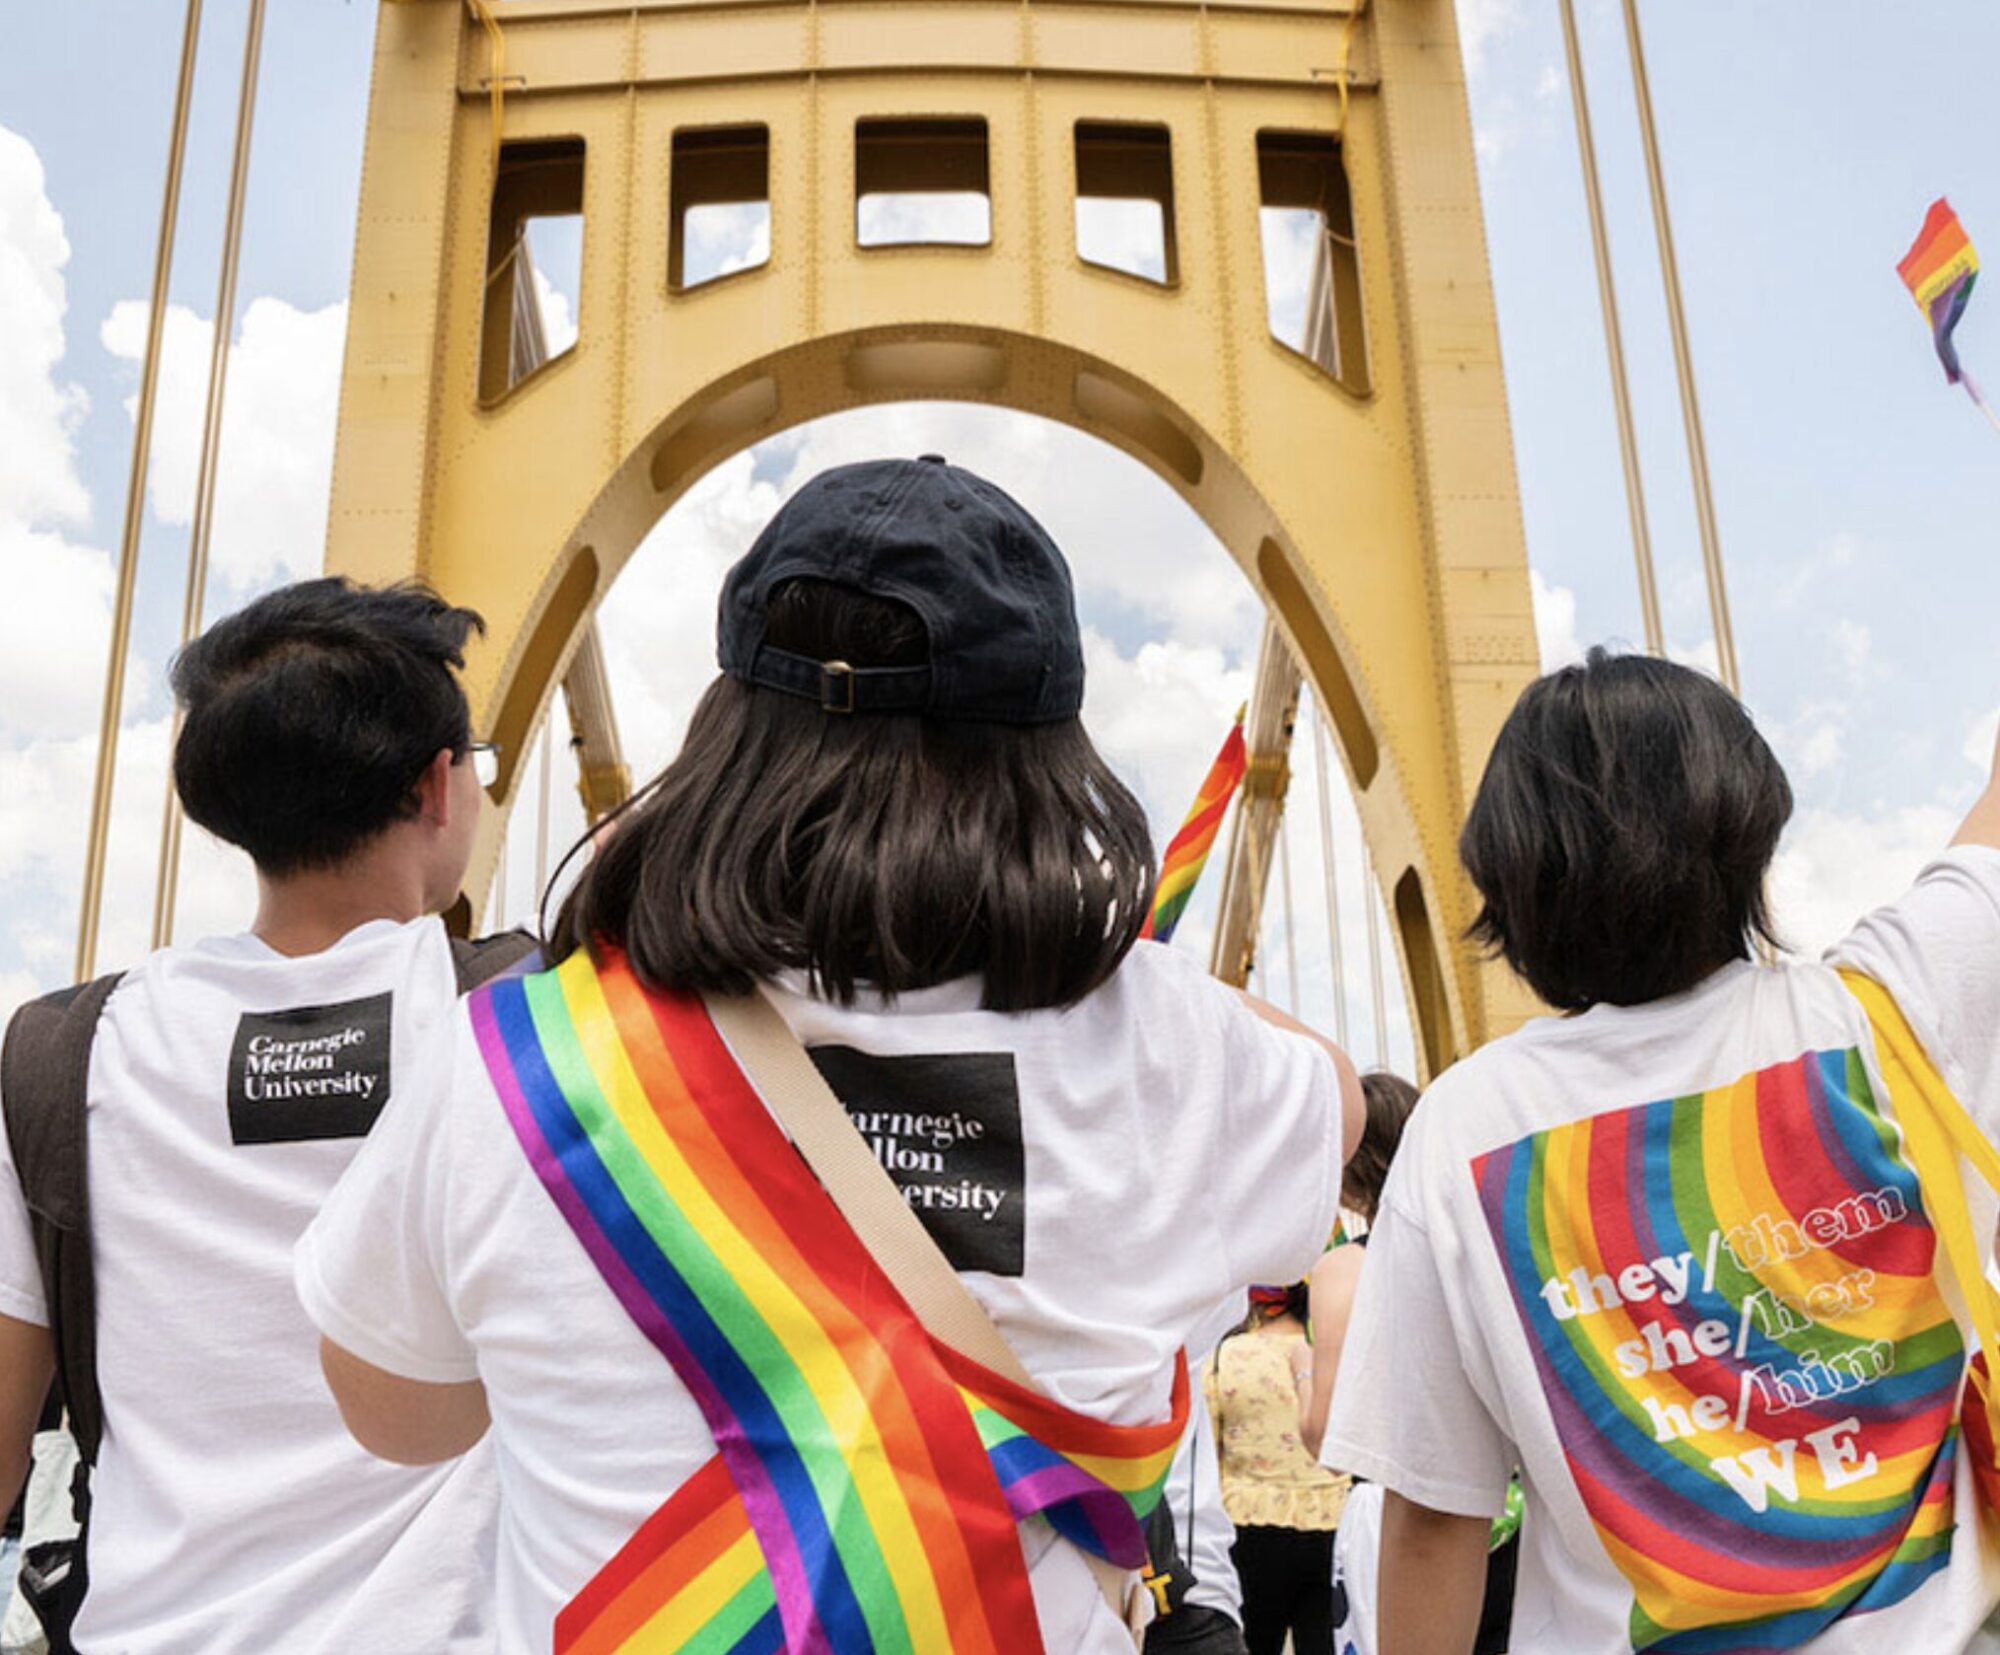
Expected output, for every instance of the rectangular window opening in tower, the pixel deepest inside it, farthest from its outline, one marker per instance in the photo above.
(534, 263)
(1312, 265)
(1125, 199)
(721, 223)
(922, 182)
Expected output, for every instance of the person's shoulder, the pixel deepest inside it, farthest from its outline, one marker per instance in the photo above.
(1165, 987)
(1491, 1066)
(1959, 881)
(1158, 967)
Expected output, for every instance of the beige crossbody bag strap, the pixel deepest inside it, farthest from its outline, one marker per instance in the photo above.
(798, 1095)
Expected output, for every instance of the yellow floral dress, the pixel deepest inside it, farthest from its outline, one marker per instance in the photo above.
(1268, 1478)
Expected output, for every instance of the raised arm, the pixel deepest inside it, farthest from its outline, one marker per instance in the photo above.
(1332, 1285)
(1353, 1108)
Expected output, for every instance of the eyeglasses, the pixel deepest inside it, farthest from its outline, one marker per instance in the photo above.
(485, 757)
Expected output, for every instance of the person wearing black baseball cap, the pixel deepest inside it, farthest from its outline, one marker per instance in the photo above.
(888, 819)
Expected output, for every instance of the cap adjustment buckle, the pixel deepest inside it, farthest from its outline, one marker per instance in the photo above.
(836, 687)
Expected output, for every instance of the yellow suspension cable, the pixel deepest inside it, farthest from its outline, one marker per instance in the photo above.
(166, 886)
(1291, 922)
(1697, 447)
(91, 906)
(1375, 984)
(1330, 873)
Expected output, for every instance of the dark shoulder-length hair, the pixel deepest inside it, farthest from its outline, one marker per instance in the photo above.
(1387, 1101)
(1622, 832)
(890, 851)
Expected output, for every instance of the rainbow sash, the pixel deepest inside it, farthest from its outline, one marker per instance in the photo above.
(867, 1480)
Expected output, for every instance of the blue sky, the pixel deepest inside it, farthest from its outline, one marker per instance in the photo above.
(1855, 491)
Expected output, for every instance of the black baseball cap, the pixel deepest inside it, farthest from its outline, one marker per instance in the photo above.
(989, 585)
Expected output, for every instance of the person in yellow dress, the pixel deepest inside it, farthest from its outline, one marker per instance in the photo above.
(1284, 1503)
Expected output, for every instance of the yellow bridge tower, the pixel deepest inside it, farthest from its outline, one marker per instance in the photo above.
(1362, 475)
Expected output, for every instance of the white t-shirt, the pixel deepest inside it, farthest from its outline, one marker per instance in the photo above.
(1673, 1260)
(1139, 1157)
(229, 1088)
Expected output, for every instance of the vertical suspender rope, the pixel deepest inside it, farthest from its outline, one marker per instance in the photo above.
(1614, 341)
(166, 888)
(90, 911)
(496, 908)
(1259, 884)
(1330, 872)
(542, 812)
(1375, 961)
(1291, 913)
(1704, 497)
(1238, 809)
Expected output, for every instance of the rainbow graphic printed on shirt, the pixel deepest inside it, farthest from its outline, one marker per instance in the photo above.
(1753, 1375)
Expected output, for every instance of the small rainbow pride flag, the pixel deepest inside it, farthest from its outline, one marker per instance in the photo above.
(1940, 270)
(1187, 855)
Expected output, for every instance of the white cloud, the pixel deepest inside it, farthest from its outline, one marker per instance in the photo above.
(890, 218)
(1550, 83)
(659, 623)
(53, 628)
(1833, 868)
(1159, 715)
(558, 314)
(275, 464)
(724, 238)
(277, 456)
(1480, 24)
(44, 815)
(1820, 751)
(1555, 622)
(57, 614)
(38, 412)
(1492, 138)
(1855, 645)
(1981, 740)
(1291, 237)
(1703, 657)
(1125, 234)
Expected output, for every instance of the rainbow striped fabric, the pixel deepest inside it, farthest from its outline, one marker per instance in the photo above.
(1187, 852)
(1940, 270)
(868, 1481)
(1752, 1372)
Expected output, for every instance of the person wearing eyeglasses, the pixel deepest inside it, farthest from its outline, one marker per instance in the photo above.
(230, 1081)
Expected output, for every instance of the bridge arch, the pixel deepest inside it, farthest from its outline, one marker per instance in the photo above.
(1373, 510)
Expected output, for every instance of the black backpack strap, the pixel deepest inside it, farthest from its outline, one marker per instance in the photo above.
(478, 961)
(45, 1082)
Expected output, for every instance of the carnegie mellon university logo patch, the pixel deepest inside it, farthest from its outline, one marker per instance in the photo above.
(309, 1072)
(947, 1127)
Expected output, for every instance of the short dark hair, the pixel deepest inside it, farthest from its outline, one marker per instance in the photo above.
(885, 849)
(311, 713)
(1388, 1100)
(1622, 832)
